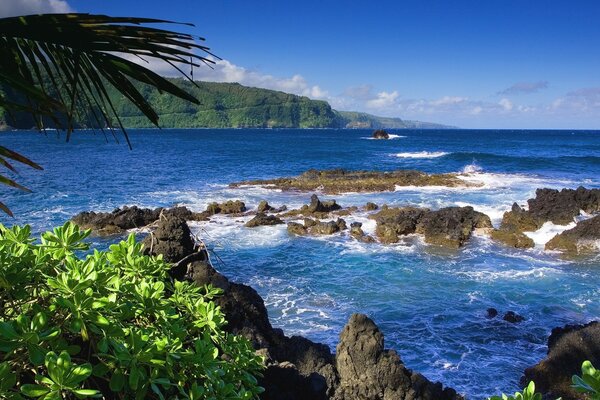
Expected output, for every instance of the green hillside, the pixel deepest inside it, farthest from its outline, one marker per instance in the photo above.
(231, 105)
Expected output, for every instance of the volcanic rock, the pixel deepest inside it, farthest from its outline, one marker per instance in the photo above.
(568, 348)
(228, 207)
(513, 317)
(584, 237)
(381, 134)
(172, 238)
(451, 226)
(263, 219)
(367, 371)
(343, 181)
(395, 222)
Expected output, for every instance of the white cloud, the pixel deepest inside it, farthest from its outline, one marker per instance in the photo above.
(11, 8)
(506, 104)
(383, 100)
(448, 100)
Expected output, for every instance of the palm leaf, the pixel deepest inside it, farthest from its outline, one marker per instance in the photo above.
(59, 64)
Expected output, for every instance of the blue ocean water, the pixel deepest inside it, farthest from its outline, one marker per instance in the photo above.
(430, 303)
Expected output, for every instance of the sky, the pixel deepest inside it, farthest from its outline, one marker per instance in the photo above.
(468, 63)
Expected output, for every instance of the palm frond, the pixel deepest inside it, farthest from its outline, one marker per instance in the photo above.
(57, 65)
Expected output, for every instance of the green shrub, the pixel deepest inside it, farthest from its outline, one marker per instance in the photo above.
(112, 324)
(588, 382)
(527, 394)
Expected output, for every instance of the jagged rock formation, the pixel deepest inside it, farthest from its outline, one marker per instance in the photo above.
(449, 227)
(585, 237)
(124, 218)
(297, 368)
(568, 348)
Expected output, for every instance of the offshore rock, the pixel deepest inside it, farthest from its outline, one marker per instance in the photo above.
(367, 371)
(343, 181)
(228, 207)
(263, 219)
(122, 219)
(380, 134)
(452, 226)
(316, 209)
(316, 227)
(395, 222)
(583, 238)
(117, 221)
(511, 238)
(561, 207)
(568, 348)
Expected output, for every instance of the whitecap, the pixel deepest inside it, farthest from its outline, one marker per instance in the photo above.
(547, 232)
(421, 154)
(391, 136)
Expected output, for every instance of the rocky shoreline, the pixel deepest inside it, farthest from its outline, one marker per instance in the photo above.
(361, 368)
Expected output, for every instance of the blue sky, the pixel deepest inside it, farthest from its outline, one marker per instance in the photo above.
(475, 64)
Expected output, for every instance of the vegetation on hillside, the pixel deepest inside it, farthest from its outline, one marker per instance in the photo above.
(112, 325)
(231, 105)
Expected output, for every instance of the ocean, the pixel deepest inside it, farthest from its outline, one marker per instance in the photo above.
(430, 303)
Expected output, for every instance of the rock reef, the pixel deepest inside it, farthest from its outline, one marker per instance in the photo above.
(343, 181)
(584, 238)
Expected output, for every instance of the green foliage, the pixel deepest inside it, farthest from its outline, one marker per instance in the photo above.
(588, 382)
(527, 394)
(112, 321)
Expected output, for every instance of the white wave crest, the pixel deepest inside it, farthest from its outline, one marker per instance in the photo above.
(422, 154)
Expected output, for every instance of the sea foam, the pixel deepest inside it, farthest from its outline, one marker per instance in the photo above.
(422, 154)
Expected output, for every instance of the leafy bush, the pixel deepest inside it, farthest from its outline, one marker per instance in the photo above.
(528, 394)
(112, 324)
(588, 382)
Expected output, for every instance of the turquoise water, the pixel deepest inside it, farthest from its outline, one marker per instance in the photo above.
(430, 303)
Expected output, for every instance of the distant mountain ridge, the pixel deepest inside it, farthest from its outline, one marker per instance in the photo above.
(231, 105)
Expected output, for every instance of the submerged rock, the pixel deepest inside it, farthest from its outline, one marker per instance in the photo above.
(513, 317)
(380, 134)
(263, 219)
(343, 181)
(491, 313)
(585, 237)
(568, 348)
